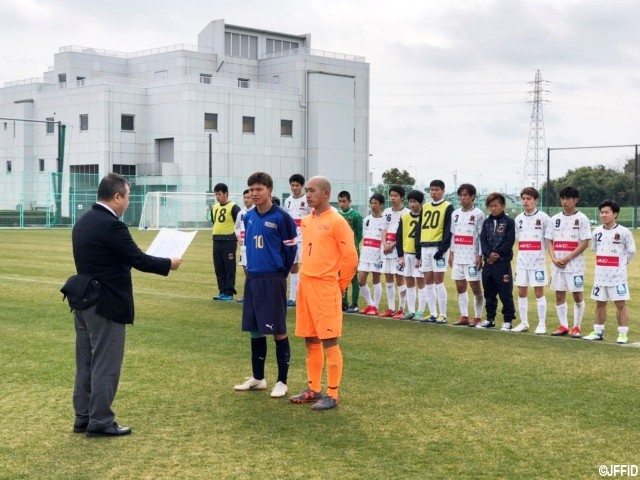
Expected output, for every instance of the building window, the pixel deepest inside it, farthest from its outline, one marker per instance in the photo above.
(286, 128)
(84, 176)
(211, 121)
(205, 78)
(277, 46)
(125, 170)
(243, 82)
(62, 80)
(41, 164)
(50, 125)
(276, 79)
(126, 122)
(84, 122)
(242, 46)
(248, 124)
(80, 81)
(8, 166)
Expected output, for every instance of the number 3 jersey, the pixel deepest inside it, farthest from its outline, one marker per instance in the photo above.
(614, 248)
(566, 232)
(530, 233)
(465, 229)
(373, 228)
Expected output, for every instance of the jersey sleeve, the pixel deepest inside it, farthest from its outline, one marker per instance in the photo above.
(348, 254)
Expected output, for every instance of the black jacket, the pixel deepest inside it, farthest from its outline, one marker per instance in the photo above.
(498, 235)
(104, 250)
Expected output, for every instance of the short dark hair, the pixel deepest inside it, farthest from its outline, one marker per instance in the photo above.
(245, 192)
(110, 185)
(398, 189)
(416, 195)
(344, 194)
(614, 206)
(532, 192)
(466, 187)
(260, 178)
(221, 187)
(377, 196)
(569, 192)
(296, 177)
(437, 183)
(492, 197)
(275, 200)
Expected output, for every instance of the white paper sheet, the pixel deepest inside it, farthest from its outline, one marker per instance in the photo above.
(170, 243)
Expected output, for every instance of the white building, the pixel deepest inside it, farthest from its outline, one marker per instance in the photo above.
(265, 99)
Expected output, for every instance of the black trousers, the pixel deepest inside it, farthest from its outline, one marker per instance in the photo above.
(224, 264)
(497, 281)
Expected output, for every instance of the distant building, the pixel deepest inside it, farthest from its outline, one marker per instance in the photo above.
(266, 99)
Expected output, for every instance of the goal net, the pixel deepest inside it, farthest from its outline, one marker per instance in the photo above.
(184, 210)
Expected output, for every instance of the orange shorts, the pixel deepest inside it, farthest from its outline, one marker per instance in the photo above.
(318, 308)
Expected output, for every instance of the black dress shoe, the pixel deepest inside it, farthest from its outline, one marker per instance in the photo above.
(80, 427)
(114, 430)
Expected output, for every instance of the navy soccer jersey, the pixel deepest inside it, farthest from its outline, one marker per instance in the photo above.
(270, 239)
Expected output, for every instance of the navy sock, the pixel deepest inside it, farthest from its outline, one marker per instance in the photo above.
(283, 356)
(258, 356)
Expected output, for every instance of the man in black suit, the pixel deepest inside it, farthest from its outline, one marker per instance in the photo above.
(104, 250)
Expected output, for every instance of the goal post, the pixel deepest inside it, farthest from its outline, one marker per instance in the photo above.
(183, 210)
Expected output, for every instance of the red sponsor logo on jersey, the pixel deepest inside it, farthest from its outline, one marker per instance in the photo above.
(565, 246)
(242, 235)
(527, 246)
(463, 240)
(298, 221)
(606, 261)
(371, 242)
(391, 237)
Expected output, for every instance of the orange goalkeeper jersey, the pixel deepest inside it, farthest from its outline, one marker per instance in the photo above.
(328, 248)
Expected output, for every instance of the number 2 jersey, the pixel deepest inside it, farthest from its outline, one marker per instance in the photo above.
(530, 233)
(465, 229)
(566, 232)
(614, 248)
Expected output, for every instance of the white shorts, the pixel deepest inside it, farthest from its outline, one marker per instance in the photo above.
(531, 278)
(615, 293)
(375, 267)
(428, 264)
(243, 256)
(410, 269)
(567, 281)
(390, 266)
(465, 271)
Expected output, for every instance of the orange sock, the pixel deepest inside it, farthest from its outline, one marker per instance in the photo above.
(315, 362)
(334, 370)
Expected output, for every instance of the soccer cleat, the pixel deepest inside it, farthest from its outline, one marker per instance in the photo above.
(251, 383)
(475, 322)
(352, 309)
(440, 320)
(575, 332)
(399, 314)
(325, 403)
(226, 298)
(487, 324)
(622, 338)
(307, 396)
(240, 300)
(217, 297)
(366, 310)
(344, 307)
(386, 314)
(431, 319)
(594, 336)
(419, 317)
(464, 321)
(561, 331)
(409, 316)
(280, 390)
(506, 327)
(541, 330)
(523, 327)
(373, 311)
(291, 303)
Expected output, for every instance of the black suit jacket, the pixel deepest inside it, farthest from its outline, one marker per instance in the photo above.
(103, 249)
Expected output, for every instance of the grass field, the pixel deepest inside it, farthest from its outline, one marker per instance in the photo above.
(418, 401)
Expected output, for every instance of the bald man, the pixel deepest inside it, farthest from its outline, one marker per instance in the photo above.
(328, 263)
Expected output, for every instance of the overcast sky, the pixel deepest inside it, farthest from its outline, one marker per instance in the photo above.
(450, 80)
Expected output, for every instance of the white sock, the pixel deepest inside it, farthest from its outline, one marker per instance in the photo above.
(542, 310)
(523, 309)
(391, 295)
(294, 279)
(442, 298)
(463, 304)
(431, 298)
(578, 313)
(411, 299)
(366, 294)
(562, 315)
(478, 305)
(377, 294)
(598, 329)
(422, 299)
(402, 291)
(622, 329)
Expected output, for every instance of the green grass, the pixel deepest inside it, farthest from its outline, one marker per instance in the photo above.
(418, 401)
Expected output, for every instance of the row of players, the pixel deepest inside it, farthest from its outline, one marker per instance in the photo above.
(414, 246)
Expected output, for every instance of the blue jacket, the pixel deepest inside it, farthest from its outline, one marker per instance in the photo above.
(498, 235)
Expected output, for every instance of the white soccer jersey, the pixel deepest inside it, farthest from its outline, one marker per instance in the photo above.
(297, 208)
(392, 220)
(239, 226)
(614, 247)
(567, 231)
(465, 232)
(530, 233)
(372, 228)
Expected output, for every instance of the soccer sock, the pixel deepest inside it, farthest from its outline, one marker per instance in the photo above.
(431, 298)
(283, 356)
(355, 291)
(442, 298)
(578, 313)
(478, 305)
(463, 304)
(391, 295)
(598, 329)
(562, 315)
(294, 279)
(315, 362)
(542, 310)
(523, 309)
(258, 356)
(334, 370)
(411, 299)
(366, 294)
(377, 294)
(422, 299)
(622, 329)
(402, 291)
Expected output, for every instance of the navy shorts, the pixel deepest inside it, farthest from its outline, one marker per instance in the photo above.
(264, 307)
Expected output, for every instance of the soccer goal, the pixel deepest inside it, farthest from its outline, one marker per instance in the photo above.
(185, 210)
